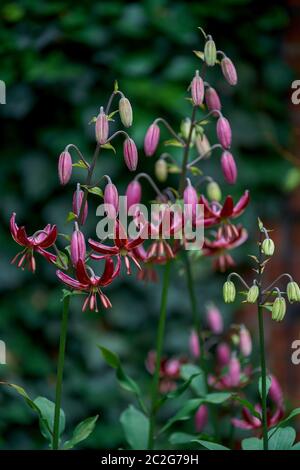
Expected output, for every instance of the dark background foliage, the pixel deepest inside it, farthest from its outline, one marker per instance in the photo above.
(59, 60)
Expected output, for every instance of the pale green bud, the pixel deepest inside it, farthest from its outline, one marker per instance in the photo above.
(293, 292)
(253, 294)
(278, 309)
(268, 247)
(203, 145)
(125, 111)
(185, 129)
(213, 191)
(229, 292)
(210, 52)
(161, 170)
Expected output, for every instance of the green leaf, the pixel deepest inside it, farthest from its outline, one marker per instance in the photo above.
(80, 164)
(198, 383)
(95, 190)
(111, 115)
(282, 439)
(210, 445)
(187, 410)
(136, 428)
(268, 385)
(81, 432)
(116, 86)
(69, 293)
(252, 443)
(217, 398)
(195, 171)
(181, 438)
(173, 143)
(199, 54)
(173, 169)
(47, 408)
(108, 146)
(248, 405)
(292, 415)
(71, 216)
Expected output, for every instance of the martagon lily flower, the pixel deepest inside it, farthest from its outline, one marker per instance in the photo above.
(90, 283)
(215, 213)
(36, 243)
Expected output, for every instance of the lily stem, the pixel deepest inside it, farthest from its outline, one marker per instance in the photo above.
(60, 371)
(159, 346)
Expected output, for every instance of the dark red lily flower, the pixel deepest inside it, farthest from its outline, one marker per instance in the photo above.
(36, 243)
(249, 421)
(123, 246)
(148, 272)
(91, 283)
(222, 244)
(169, 371)
(215, 213)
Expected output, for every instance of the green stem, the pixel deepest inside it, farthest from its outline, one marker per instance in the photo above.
(186, 153)
(60, 371)
(159, 345)
(263, 376)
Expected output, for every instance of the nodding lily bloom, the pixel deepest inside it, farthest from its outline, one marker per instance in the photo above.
(249, 421)
(36, 243)
(221, 244)
(148, 272)
(231, 377)
(215, 213)
(169, 371)
(123, 246)
(87, 281)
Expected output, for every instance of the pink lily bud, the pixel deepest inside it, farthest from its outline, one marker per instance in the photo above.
(64, 167)
(172, 367)
(223, 354)
(214, 319)
(151, 140)
(190, 199)
(245, 342)
(229, 167)
(133, 193)
(224, 132)
(130, 154)
(197, 89)
(102, 127)
(234, 371)
(229, 71)
(275, 392)
(212, 100)
(111, 197)
(77, 202)
(78, 248)
(194, 345)
(201, 418)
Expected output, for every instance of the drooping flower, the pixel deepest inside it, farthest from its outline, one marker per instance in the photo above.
(147, 273)
(249, 421)
(87, 281)
(215, 213)
(234, 376)
(36, 243)
(223, 354)
(169, 371)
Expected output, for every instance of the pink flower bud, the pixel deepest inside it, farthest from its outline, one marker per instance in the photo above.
(197, 89)
(64, 167)
(229, 71)
(194, 344)
(212, 100)
(102, 127)
(151, 140)
(78, 248)
(133, 193)
(214, 319)
(229, 167)
(224, 132)
(275, 392)
(234, 371)
(190, 199)
(77, 202)
(245, 342)
(111, 197)
(172, 367)
(201, 418)
(130, 154)
(223, 354)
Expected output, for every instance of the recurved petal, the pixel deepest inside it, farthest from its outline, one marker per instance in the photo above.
(227, 207)
(49, 239)
(69, 281)
(241, 204)
(103, 249)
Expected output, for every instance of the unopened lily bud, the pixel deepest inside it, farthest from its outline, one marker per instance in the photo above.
(194, 345)
(197, 89)
(275, 391)
(190, 199)
(223, 354)
(213, 191)
(293, 292)
(65, 167)
(151, 140)
(133, 193)
(229, 71)
(214, 319)
(278, 309)
(203, 145)
(229, 168)
(77, 202)
(234, 371)
(224, 132)
(125, 111)
(111, 198)
(78, 247)
(161, 170)
(130, 154)
(185, 129)
(201, 418)
(229, 292)
(268, 247)
(210, 52)
(245, 342)
(212, 100)
(253, 294)
(102, 127)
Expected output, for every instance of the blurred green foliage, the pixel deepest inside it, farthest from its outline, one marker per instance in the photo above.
(59, 60)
